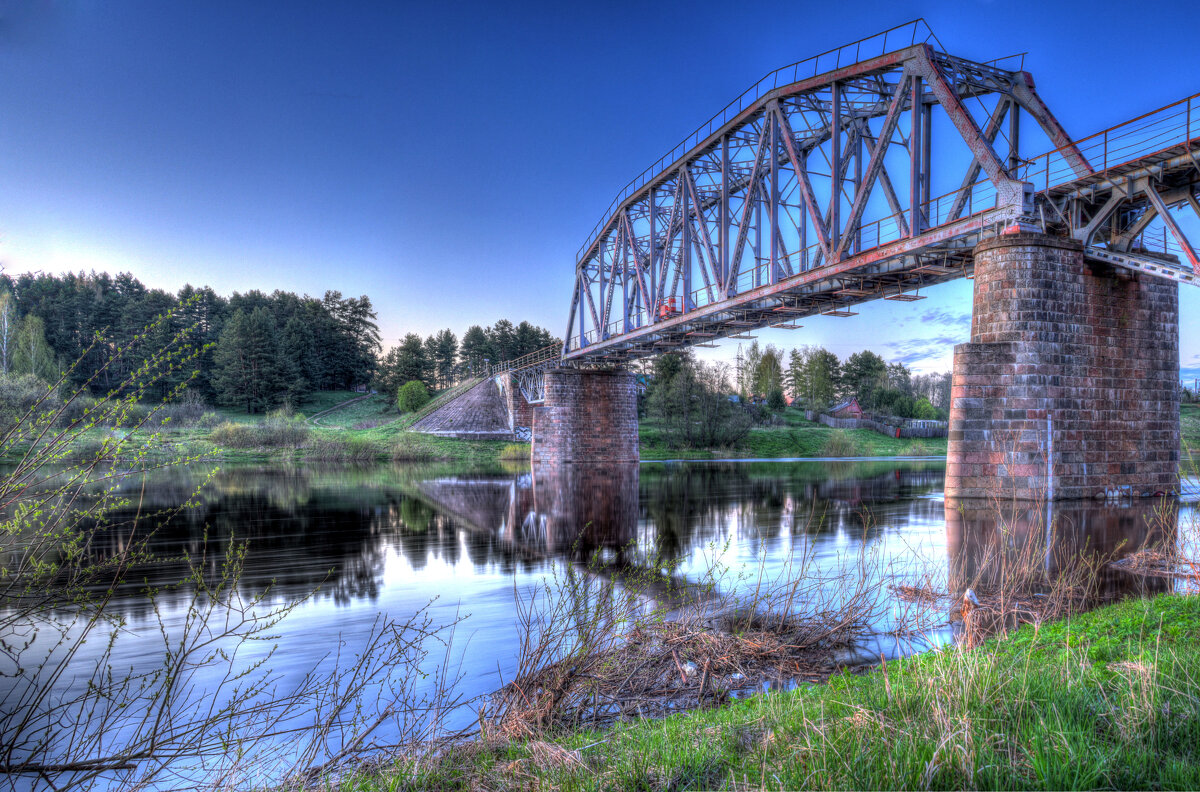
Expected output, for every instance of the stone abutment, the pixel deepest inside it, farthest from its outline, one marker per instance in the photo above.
(1069, 386)
(588, 417)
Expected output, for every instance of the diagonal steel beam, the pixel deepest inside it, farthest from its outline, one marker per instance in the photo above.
(571, 316)
(990, 132)
(735, 261)
(1009, 190)
(1029, 100)
(705, 237)
(586, 286)
(1102, 214)
(647, 302)
(885, 181)
(862, 190)
(1175, 230)
(669, 239)
(1191, 199)
(803, 182)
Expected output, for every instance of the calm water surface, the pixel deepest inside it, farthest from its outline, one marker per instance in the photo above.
(390, 540)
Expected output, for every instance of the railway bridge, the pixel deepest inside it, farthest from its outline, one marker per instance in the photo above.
(879, 170)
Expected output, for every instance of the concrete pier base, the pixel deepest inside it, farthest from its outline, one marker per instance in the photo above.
(1069, 386)
(588, 417)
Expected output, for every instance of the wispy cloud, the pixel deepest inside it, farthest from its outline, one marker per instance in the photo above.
(918, 350)
(950, 319)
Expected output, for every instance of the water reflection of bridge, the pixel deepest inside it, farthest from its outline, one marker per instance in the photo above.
(321, 530)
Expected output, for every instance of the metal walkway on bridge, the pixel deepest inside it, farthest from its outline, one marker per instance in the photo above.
(813, 192)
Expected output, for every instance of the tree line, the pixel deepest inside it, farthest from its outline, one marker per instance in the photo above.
(816, 378)
(441, 359)
(260, 350)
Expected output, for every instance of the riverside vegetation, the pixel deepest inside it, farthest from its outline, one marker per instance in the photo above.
(592, 661)
(1047, 684)
(355, 427)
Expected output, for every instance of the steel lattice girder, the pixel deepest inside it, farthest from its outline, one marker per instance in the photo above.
(814, 197)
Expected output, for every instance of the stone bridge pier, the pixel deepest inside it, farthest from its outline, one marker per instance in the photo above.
(1069, 386)
(588, 416)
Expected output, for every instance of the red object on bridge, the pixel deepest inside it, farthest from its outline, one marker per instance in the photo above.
(667, 307)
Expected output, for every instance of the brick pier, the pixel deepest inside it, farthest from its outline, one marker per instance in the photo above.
(589, 416)
(1070, 384)
(520, 411)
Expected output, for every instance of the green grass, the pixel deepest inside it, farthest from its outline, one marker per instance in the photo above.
(1189, 430)
(375, 409)
(1109, 699)
(336, 436)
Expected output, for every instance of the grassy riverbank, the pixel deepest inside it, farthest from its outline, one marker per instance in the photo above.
(1106, 699)
(794, 437)
(345, 426)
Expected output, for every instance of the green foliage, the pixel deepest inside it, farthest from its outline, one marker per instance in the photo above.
(694, 411)
(31, 354)
(442, 350)
(763, 371)
(863, 375)
(322, 343)
(404, 363)
(277, 430)
(923, 410)
(412, 396)
(248, 365)
(515, 452)
(776, 401)
(23, 395)
(840, 444)
(813, 376)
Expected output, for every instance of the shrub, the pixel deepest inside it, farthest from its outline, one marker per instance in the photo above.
(186, 412)
(840, 444)
(776, 400)
(20, 392)
(412, 396)
(73, 411)
(515, 451)
(278, 430)
(344, 449)
(413, 447)
(210, 420)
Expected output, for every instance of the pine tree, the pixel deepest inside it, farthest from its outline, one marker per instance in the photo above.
(247, 362)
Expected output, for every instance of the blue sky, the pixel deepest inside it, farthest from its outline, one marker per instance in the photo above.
(448, 159)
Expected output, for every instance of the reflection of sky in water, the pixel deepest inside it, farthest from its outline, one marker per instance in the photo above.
(392, 540)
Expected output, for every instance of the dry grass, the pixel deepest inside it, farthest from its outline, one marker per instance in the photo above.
(594, 652)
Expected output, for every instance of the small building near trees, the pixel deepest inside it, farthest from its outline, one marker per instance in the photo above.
(846, 409)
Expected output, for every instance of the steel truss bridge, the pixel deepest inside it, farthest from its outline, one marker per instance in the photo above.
(814, 192)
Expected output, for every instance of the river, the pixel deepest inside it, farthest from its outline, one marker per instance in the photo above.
(356, 545)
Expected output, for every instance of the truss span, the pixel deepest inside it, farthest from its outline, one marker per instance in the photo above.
(813, 193)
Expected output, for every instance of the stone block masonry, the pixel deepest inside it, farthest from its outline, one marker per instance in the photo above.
(588, 416)
(520, 411)
(1069, 386)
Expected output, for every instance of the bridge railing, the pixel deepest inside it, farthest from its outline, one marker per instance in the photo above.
(1147, 134)
(891, 40)
(546, 354)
